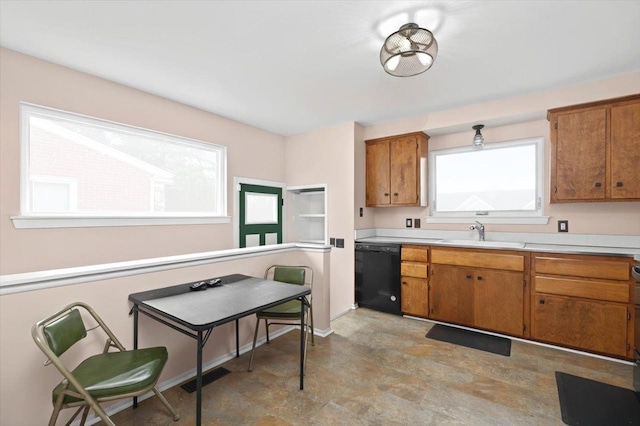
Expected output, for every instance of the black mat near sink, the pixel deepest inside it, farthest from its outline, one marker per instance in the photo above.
(587, 402)
(471, 339)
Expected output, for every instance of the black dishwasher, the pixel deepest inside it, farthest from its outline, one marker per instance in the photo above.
(378, 276)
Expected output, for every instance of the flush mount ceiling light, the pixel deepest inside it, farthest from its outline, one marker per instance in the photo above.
(478, 139)
(409, 51)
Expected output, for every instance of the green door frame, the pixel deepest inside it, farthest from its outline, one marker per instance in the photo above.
(260, 229)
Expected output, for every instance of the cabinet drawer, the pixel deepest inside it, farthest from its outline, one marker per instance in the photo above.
(609, 291)
(414, 269)
(588, 268)
(414, 254)
(488, 259)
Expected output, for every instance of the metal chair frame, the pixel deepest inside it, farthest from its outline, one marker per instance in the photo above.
(269, 320)
(70, 382)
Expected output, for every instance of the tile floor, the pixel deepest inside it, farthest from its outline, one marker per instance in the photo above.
(379, 369)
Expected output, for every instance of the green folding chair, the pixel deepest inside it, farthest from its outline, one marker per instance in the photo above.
(103, 377)
(287, 313)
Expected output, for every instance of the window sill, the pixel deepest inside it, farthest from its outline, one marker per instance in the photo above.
(528, 220)
(32, 222)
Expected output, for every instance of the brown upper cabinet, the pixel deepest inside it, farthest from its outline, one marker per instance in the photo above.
(595, 154)
(396, 170)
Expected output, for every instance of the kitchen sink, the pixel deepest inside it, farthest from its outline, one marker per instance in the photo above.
(476, 243)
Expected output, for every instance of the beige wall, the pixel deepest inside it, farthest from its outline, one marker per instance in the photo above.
(251, 153)
(327, 156)
(453, 128)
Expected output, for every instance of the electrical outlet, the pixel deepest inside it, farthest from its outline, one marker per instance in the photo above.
(563, 226)
(361, 212)
(416, 223)
(409, 223)
(332, 242)
(340, 242)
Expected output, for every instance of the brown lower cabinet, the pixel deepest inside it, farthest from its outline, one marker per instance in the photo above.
(583, 324)
(583, 302)
(479, 288)
(414, 280)
(488, 299)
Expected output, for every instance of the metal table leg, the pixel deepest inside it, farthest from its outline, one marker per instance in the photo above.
(135, 341)
(237, 338)
(302, 339)
(199, 381)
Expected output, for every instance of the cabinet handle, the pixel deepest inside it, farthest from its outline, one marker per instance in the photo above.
(618, 184)
(404, 283)
(598, 184)
(386, 194)
(479, 278)
(541, 301)
(468, 276)
(395, 194)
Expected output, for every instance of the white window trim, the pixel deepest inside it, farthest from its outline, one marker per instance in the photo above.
(70, 220)
(498, 217)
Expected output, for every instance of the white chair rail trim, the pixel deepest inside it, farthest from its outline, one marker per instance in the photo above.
(30, 281)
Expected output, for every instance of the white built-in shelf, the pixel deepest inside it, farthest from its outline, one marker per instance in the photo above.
(308, 213)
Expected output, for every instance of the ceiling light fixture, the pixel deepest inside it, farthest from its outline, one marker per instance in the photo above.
(409, 51)
(478, 139)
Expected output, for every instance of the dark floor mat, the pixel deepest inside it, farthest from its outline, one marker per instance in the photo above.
(207, 378)
(471, 339)
(587, 402)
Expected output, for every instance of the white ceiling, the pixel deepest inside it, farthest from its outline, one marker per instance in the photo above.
(294, 66)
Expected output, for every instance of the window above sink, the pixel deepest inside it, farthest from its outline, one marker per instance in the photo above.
(500, 183)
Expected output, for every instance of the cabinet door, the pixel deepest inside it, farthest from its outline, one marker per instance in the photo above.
(625, 151)
(581, 324)
(414, 296)
(580, 156)
(499, 301)
(405, 170)
(378, 191)
(451, 294)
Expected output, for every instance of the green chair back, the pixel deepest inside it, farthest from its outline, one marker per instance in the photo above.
(64, 332)
(289, 274)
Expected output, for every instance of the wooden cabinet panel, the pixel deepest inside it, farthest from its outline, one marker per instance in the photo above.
(598, 290)
(405, 171)
(588, 267)
(582, 324)
(394, 172)
(625, 151)
(580, 154)
(414, 269)
(451, 294)
(594, 151)
(378, 174)
(414, 296)
(415, 254)
(499, 301)
(480, 259)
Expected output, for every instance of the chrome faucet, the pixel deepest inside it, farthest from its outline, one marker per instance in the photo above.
(480, 228)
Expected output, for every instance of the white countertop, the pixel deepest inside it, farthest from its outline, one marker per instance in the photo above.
(596, 245)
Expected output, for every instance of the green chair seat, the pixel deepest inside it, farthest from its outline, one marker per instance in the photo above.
(116, 373)
(290, 309)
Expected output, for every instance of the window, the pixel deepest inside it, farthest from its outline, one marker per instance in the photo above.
(75, 166)
(502, 180)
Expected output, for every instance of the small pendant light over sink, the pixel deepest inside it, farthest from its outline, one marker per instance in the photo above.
(478, 139)
(409, 51)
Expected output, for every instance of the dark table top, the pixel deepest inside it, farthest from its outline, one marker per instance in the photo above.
(238, 296)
